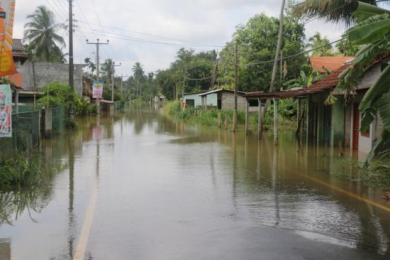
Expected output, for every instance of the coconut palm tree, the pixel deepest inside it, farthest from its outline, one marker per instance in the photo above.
(41, 35)
(331, 10)
(321, 46)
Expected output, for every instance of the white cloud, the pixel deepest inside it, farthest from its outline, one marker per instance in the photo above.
(133, 25)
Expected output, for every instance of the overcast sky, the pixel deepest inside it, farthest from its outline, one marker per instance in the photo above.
(151, 31)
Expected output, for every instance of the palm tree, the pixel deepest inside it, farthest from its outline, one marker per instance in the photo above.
(331, 10)
(41, 35)
(321, 46)
(108, 69)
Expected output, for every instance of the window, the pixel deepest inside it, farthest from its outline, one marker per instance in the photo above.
(253, 103)
(190, 102)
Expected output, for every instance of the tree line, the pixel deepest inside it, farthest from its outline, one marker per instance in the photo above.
(193, 72)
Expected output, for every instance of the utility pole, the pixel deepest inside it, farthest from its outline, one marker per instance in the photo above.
(113, 78)
(97, 45)
(275, 68)
(71, 45)
(235, 113)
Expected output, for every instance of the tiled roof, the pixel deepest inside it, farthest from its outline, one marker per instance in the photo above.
(324, 64)
(18, 45)
(18, 49)
(323, 85)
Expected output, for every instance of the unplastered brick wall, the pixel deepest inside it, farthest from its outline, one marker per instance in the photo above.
(46, 73)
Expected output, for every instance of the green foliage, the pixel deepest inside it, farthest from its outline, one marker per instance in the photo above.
(41, 34)
(372, 33)
(19, 171)
(57, 94)
(256, 43)
(331, 10)
(307, 78)
(213, 117)
(321, 45)
(347, 47)
(190, 72)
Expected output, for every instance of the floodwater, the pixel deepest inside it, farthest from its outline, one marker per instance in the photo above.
(139, 186)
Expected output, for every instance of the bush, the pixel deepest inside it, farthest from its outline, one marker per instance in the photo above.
(56, 94)
(19, 171)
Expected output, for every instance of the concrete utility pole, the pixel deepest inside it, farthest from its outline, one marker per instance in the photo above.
(235, 113)
(71, 45)
(113, 78)
(275, 69)
(97, 45)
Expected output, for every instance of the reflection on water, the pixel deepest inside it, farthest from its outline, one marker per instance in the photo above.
(167, 190)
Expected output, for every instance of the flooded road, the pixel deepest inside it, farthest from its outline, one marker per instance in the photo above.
(140, 186)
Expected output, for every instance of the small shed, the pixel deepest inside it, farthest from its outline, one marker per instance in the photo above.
(222, 99)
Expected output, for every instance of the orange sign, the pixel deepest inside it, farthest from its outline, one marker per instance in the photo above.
(7, 9)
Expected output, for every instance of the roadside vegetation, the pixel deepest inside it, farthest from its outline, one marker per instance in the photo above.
(224, 118)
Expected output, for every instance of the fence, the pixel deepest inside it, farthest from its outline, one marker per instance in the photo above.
(28, 128)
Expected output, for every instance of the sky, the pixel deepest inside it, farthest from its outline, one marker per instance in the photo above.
(151, 31)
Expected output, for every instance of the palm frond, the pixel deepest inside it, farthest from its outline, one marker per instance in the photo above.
(331, 10)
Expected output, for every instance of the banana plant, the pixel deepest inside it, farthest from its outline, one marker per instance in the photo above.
(372, 33)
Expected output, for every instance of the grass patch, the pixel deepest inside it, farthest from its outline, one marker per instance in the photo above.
(223, 118)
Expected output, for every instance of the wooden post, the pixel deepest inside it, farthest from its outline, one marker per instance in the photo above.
(17, 101)
(276, 120)
(275, 67)
(260, 125)
(298, 109)
(247, 117)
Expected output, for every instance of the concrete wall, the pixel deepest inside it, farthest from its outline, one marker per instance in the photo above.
(228, 102)
(46, 73)
(370, 78)
(366, 143)
(197, 99)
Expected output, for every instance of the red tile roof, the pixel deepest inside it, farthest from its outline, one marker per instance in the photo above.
(323, 85)
(324, 64)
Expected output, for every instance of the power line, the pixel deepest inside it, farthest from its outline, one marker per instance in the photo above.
(165, 41)
(290, 56)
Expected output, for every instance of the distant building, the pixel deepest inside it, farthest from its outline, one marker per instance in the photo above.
(33, 76)
(222, 99)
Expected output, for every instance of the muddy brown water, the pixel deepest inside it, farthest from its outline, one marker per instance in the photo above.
(139, 186)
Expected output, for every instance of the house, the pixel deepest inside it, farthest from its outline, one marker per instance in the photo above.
(220, 98)
(33, 76)
(19, 57)
(337, 125)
